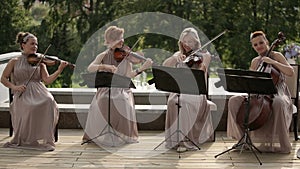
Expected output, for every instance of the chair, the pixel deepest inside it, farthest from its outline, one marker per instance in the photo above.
(293, 85)
(10, 122)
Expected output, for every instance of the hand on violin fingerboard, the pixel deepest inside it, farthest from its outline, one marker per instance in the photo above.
(62, 65)
(147, 64)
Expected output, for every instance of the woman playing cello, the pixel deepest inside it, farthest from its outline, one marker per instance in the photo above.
(273, 136)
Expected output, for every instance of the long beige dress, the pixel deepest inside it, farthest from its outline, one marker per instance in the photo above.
(195, 120)
(122, 112)
(273, 136)
(35, 113)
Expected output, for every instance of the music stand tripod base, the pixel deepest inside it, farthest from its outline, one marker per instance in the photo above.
(193, 83)
(243, 144)
(178, 131)
(250, 82)
(111, 131)
(108, 80)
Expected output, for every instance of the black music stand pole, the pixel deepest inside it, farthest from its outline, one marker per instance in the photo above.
(110, 80)
(179, 80)
(250, 82)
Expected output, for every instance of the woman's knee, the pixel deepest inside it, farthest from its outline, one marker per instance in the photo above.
(235, 100)
(277, 101)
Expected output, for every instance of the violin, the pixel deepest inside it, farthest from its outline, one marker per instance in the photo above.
(125, 51)
(196, 56)
(193, 58)
(34, 59)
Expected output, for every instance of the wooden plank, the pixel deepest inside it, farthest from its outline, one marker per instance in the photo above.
(70, 153)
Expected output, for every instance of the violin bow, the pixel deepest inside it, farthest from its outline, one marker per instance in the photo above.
(136, 42)
(207, 43)
(37, 65)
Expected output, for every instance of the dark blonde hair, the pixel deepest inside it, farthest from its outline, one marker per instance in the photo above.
(22, 37)
(112, 34)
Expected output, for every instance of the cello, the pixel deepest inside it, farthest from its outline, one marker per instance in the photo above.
(260, 105)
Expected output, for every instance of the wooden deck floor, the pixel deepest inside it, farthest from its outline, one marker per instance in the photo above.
(70, 153)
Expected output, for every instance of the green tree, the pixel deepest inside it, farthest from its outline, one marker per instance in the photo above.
(67, 25)
(13, 19)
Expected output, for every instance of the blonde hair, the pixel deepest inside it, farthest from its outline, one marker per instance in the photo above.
(112, 35)
(193, 34)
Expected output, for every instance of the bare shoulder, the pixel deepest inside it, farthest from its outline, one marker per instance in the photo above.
(9, 67)
(13, 61)
(254, 62)
(277, 55)
(100, 56)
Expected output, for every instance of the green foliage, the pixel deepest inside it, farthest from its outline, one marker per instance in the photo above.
(13, 19)
(68, 25)
(39, 12)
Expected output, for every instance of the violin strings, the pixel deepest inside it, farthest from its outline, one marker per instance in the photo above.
(35, 69)
(136, 42)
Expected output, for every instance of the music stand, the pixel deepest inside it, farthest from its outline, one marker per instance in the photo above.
(179, 80)
(109, 80)
(251, 82)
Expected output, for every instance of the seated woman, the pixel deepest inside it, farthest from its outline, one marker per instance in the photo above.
(33, 110)
(273, 136)
(122, 113)
(194, 116)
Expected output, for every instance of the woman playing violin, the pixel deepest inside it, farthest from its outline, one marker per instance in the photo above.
(35, 112)
(273, 136)
(195, 117)
(186, 57)
(123, 119)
